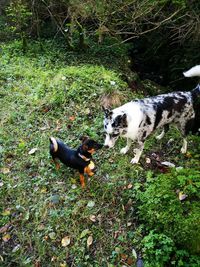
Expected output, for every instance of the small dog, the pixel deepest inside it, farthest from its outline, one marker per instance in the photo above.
(137, 119)
(80, 159)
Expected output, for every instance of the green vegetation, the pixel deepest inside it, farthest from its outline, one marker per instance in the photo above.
(46, 218)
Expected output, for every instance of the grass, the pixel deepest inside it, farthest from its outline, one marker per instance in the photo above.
(58, 93)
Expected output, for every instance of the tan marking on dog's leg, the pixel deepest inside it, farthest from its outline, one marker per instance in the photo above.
(88, 171)
(82, 180)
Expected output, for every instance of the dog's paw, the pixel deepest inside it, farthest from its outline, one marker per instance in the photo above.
(183, 150)
(134, 161)
(124, 150)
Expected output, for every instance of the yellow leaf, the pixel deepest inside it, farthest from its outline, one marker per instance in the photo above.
(5, 170)
(6, 212)
(6, 237)
(182, 196)
(63, 265)
(89, 241)
(43, 190)
(65, 241)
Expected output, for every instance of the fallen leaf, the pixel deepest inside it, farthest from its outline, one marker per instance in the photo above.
(4, 228)
(90, 204)
(6, 237)
(32, 151)
(134, 253)
(63, 264)
(188, 155)
(6, 212)
(168, 164)
(43, 190)
(93, 218)
(148, 160)
(65, 241)
(72, 118)
(182, 196)
(129, 186)
(5, 170)
(89, 241)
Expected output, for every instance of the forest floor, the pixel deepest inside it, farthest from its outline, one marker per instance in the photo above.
(47, 219)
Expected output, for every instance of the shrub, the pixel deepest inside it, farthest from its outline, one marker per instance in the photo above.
(170, 209)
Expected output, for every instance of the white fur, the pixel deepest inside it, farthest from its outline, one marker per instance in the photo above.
(195, 71)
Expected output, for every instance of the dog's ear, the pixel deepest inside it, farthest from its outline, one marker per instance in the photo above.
(107, 112)
(83, 138)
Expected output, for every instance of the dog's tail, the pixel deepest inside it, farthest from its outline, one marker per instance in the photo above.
(53, 145)
(195, 71)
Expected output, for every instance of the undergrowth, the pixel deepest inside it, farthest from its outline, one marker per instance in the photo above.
(126, 211)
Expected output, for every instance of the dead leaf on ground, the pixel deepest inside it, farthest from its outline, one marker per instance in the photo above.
(6, 237)
(182, 196)
(4, 228)
(65, 241)
(72, 118)
(93, 218)
(5, 170)
(32, 151)
(89, 241)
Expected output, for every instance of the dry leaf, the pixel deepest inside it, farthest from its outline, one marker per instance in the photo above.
(129, 186)
(6, 212)
(182, 196)
(5, 170)
(65, 241)
(32, 151)
(89, 241)
(93, 218)
(6, 237)
(72, 118)
(43, 190)
(4, 228)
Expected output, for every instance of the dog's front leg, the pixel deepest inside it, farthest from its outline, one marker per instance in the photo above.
(184, 147)
(138, 152)
(125, 149)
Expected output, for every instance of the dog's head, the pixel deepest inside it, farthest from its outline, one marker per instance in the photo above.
(89, 145)
(115, 124)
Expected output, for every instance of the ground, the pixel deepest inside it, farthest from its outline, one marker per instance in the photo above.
(47, 219)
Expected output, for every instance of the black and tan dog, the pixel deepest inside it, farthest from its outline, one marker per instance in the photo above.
(79, 159)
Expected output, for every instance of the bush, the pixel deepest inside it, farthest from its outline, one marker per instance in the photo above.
(170, 209)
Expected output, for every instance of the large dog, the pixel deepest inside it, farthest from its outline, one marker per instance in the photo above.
(137, 119)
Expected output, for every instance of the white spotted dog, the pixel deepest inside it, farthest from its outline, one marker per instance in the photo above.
(137, 119)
